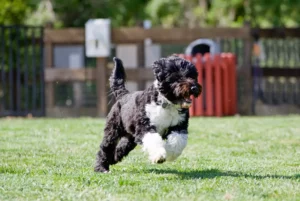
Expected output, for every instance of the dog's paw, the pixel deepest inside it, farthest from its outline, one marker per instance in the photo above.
(158, 156)
(154, 145)
(101, 169)
(175, 144)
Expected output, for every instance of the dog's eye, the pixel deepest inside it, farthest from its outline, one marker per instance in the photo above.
(183, 68)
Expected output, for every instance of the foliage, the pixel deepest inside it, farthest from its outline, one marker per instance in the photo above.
(13, 11)
(43, 14)
(247, 158)
(275, 13)
(122, 13)
(192, 13)
(170, 13)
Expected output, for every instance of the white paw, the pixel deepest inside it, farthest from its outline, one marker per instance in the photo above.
(175, 144)
(171, 154)
(154, 145)
(158, 156)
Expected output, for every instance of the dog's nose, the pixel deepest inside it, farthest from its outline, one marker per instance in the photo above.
(195, 89)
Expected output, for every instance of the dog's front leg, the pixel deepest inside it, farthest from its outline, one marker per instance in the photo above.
(155, 146)
(151, 141)
(175, 143)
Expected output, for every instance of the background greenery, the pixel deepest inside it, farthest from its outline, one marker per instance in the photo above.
(168, 13)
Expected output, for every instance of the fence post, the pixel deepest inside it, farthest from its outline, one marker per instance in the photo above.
(245, 77)
(49, 89)
(141, 58)
(101, 86)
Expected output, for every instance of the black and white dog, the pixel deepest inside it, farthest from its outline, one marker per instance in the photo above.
(156, 118)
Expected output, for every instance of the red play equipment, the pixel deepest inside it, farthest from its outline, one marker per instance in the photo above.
(217, 75)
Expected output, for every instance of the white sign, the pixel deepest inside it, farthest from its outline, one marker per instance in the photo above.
(97, 38)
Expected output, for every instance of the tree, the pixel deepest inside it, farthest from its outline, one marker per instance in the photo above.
(13, 11)
(275, 13)
(168, 13)
(194, 13)
(43, 14)
(232, 13)
(74, 13)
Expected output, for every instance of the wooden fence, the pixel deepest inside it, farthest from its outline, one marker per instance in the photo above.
(137, 36)
(276, 76)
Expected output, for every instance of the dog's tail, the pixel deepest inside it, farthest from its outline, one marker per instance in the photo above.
(118, 78)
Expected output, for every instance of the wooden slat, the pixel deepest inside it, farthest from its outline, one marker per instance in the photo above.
(142, 74)
(279, 72)
(49, 87)
(276, 32)
(175, 35)
(49, 55)
(130, 35)
(244, 105)
(182, 35)
(84, 74)
(102, 86)
(69, 75)
(65, 36)
(137, 34)
(167, 35)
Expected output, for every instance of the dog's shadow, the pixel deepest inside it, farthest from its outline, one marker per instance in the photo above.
(215, 173)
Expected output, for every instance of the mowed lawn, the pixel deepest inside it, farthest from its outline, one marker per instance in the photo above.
(234, 158)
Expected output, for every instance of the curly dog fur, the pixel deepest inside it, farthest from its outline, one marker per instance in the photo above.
(156, 118)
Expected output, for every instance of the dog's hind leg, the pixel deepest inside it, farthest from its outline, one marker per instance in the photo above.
(105, 155)
(125, 145)
(112, 133)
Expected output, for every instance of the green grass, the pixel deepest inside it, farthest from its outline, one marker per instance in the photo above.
(248, 158)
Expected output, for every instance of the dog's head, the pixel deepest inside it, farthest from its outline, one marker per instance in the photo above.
(176, 79)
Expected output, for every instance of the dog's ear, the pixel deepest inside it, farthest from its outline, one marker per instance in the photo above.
(158, 69)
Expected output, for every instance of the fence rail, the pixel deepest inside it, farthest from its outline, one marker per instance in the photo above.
(138, 35)
(276, 32)
(90, 74)
(278, 71)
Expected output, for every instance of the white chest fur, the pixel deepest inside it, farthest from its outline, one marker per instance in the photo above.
(163, 118)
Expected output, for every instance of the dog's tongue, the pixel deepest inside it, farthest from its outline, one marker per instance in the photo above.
(186, 103)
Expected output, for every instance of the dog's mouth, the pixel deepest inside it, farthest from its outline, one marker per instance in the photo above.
(186, 102)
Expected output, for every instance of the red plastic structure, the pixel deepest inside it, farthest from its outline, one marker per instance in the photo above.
(217, 75)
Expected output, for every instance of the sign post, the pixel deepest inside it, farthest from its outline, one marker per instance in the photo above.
(98, 45)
